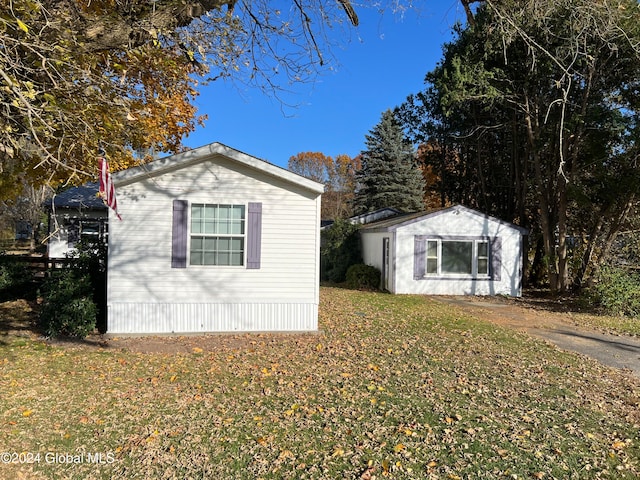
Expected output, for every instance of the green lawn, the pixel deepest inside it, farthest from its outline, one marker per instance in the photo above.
(392, 387)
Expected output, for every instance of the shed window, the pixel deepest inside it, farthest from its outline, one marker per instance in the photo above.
(217, 234)
(457, 257)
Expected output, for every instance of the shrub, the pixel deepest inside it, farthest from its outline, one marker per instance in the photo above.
(617, 291)
(12, 274)
(15, 279)
(363, 276)
(68, 308)
(340, 249)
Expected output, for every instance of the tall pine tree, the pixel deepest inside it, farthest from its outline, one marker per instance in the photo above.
(389, 176)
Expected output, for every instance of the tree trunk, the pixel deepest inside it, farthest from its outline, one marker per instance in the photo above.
(546, 225)
(563, 271)
(130, 26)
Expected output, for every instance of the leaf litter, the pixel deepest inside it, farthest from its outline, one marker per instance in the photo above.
(391, 387)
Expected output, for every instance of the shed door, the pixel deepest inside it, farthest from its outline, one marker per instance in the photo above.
(385, 263)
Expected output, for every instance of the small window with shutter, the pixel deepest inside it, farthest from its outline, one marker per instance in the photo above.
(216, 234)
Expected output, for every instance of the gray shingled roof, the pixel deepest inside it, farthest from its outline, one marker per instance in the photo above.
(82, 197)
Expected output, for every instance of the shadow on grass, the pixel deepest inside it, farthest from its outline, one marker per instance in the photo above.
(544, 300)
(18, 319)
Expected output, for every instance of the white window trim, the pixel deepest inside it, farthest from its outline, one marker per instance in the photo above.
(474, 258)
(191, 234)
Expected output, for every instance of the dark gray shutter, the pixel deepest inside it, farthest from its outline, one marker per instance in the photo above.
(496, 258)
(419, 257)
(179, 234)
(254, 235)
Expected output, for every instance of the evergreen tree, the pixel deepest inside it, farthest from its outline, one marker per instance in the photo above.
(389, 176)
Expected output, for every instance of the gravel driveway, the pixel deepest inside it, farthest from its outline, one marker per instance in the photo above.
(618, 351)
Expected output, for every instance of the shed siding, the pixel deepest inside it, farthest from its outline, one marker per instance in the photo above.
(142, 284)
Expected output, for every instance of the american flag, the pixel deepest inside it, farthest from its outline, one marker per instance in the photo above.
(107, 191)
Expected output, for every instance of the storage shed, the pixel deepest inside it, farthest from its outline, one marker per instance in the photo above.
(453, 251)
(213, 240)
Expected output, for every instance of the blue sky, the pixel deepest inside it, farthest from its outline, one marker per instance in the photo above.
(377, 65)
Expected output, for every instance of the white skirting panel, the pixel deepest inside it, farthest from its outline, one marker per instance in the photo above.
(155, 318)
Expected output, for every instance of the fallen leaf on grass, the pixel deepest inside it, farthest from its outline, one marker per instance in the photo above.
(399, 447)
(617, 445)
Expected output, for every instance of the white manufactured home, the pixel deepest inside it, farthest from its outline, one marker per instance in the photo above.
(213, 240)
(453, 251)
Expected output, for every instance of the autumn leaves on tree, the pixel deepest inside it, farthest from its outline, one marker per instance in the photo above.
(78, 75)
(386, 175)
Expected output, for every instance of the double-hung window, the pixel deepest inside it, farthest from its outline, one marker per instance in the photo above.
(457, 257)
(217, 234)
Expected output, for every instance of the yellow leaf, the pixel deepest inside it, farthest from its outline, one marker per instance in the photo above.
(27, 413)
(197, 350)
(173, 378)
(617, 445)
(338, 452)
(22, 26)
(398, 448)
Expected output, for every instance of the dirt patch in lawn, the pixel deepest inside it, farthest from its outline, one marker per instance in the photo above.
(169, 344)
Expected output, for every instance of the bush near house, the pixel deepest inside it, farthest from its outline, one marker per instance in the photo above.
(363, 277)
(15, 279)
(68, 308)
(339, 250)
(73, 299)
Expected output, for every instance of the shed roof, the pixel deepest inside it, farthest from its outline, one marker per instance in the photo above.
(398, 221)
(200, 154)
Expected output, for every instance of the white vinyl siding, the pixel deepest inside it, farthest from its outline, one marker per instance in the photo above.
(140, 247)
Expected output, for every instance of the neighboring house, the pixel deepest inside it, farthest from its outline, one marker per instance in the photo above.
(365, 217)
(374, 216)
(453, 251)
(74, 214)
(213, 240)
